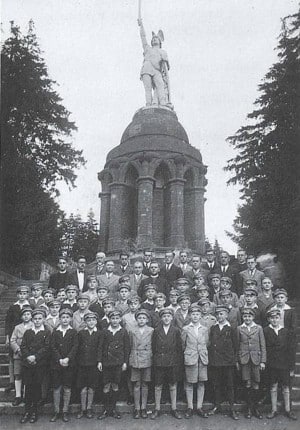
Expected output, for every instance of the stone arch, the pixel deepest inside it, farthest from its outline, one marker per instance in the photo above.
(166, 164)
(161, 204)
(129, 168)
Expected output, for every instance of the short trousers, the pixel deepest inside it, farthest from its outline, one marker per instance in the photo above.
(196, 372)
(250, 372)
(141, 375)
(112, 374)
(166, 374)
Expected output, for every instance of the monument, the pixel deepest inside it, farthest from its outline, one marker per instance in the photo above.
(153, 182)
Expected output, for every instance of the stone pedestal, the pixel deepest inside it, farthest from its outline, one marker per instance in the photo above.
(153, 187)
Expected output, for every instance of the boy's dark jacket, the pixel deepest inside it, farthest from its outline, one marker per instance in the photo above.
(167, 349)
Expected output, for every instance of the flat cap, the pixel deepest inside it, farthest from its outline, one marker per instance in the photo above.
(251, 282)
(124, 278)
(226, 279)
(114, 313)
(54, 303)
(134, 298)
(183, 297)
(66, 311)
(26, 308)
(142, 312)
(214, 275)
(36, 285)
(149, 286)
(221, 308)
(203, 301)
(102, 287)
(165, 311)
(48, 291)
(194, 308)
(225, 292)
(83, 296)
(24, 288)
(248, 311)
(108, 301)
(251, 290)
(272, 312)
(39, 311)
(280, 291)
(72, 287)
(90, 314)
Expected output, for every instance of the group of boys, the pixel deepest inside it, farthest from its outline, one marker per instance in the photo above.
(178, 324)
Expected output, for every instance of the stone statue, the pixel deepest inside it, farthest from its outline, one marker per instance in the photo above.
(154, 72)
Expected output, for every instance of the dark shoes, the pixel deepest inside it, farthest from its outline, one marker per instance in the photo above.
(257, 413)
(248, 414)
(17, 401)
(89, 414)
(115, 414)
(188, 413)
(215, 410)
(54, 418)
(144, 413)
(81, 414)
(272, 415)
(202, 413)
(65, 417)
(234, 415)
(155, 414)
(33, 418)
(176, 414)
(291, 415)
(104, 415)
(25, 418)
(136, 414)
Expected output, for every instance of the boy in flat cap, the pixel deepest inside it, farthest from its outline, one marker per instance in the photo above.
(214, 284)
(15, 345)
(160, 301)
(281, 356)
(252, 359)
(123, 294)
(35, 350)
(13, 318)
(222, 358)
(173, 296)
(63, 346)
(102, 294)
(195, 340)
(36, 299)
(71, 302)
(78, 321)
(150, 291)
(288, 317)
(207, 319)
(129, 320)
(167, 360)
(52, 320)
(234, 315)
(140, 360)
(181, 316)
(250, 302)
(114, 355)
(108, 307)
(88, 357)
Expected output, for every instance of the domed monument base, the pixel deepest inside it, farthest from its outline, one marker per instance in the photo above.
(153, 187)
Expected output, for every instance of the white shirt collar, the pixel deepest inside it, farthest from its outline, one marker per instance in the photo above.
(223, 324)
(37, 330)
(63, 330)
(285, 307)
(166, 328)
(147, 301)
(249, 327)
(276, 329)
(114, 330)
(94, 330)
(251, 307)
(53, 318)
(26, 303)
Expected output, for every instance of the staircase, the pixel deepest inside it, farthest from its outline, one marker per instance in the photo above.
(8, 296)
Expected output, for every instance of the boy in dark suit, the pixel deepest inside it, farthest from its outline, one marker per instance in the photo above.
(222, 358)
(35, 349)
(88, 357)
(36, 299)
(114, 355)
(252, 358)
(63, 346)
(281, 354)
(167, 360)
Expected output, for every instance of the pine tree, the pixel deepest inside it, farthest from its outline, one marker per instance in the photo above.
(36, 152)
(268, 162)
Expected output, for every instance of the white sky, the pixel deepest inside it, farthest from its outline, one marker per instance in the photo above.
(219, 51)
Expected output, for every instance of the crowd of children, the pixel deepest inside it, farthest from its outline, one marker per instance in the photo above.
(202, 334)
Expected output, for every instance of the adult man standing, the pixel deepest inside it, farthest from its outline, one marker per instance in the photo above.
(154, 278)
(124, 268)
(109, 279)
(147, 261)
(100, 264)
(241, 262)
(210, 265)
(61, 278)
(137, 276)
(170, 271)
(251, 273)
(79, 276)
(184, 265)
(196, 268)
(227, 269)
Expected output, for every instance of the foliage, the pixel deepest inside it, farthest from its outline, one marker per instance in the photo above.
(36, 152)
(267, 165)
(80, 237)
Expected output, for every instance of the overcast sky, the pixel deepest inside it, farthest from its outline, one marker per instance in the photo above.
(219, 51)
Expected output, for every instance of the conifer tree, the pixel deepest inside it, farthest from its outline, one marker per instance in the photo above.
(267, 165)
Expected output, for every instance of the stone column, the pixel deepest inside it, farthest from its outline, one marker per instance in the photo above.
(145, 207)
(104, 220)
(117, 197)
(176, 213)
(198, 242)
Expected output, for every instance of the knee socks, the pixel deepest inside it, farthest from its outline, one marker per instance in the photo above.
(66, 399)
(200, 394)
(144, 395)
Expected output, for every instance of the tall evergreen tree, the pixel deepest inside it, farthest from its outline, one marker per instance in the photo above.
(36, 151)
(268, 162)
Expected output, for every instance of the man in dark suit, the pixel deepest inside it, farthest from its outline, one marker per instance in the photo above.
(196, 269)
(241, 261)
(124, 268)
(170, 271)
(147, 261)
(210, 265)
(227, 269)
(154, 278)
(79, 276)
(137, 276)
(100, 264)
(61, 278)
(184, 265)
(251, 273)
